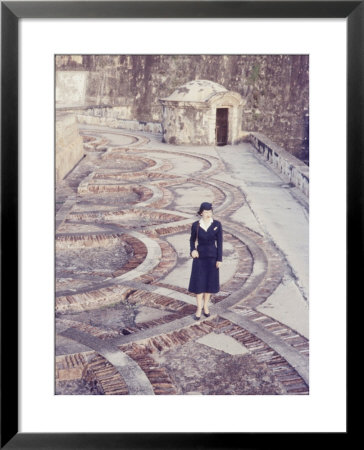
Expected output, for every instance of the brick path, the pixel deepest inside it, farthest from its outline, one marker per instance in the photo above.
(125, 325)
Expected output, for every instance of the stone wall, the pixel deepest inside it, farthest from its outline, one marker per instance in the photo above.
(293, 169)
(71, 88)
(112, 117)
(275, 87)
(182, 124)
(69, 144)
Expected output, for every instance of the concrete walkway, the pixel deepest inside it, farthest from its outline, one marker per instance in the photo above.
(280, 210)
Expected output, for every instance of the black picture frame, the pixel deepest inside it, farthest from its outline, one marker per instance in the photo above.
(11, 12)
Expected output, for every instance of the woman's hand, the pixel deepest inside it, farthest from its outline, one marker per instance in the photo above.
(218, 264)
(195, 254)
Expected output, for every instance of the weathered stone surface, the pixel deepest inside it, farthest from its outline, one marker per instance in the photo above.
(275, 88)
(190, 114)
(145, 313)
(69, 144)
(74, 387)
(214, 372)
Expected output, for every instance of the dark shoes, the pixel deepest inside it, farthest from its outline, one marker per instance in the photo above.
(199, 317)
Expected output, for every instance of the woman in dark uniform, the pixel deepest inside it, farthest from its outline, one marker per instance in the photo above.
(206, 251)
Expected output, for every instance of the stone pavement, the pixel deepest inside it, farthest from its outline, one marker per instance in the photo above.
(124, 317)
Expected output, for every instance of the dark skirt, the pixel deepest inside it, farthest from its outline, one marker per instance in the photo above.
(204, 276)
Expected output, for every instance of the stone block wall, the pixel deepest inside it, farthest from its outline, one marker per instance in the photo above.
(71, 88)
(113, 117)
(69, 144)
(275, 88)
(183, 124)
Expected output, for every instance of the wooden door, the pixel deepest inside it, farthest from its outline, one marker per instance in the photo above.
(222, 115)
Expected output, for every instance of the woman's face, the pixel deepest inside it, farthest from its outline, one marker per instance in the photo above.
(206, 215)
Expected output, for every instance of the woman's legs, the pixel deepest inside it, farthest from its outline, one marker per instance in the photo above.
(202, 299)
(206, 302)
(199, 304)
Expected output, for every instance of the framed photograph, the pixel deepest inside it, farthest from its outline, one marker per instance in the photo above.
(74, 77)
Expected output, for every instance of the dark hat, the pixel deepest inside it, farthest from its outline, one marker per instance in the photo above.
(205, 206)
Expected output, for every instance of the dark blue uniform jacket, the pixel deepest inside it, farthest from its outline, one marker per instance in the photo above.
(209, 242)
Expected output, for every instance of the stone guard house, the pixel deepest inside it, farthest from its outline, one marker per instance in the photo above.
(202, 112)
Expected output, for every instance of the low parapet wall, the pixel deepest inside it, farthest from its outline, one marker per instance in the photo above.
(69, 145)
(111, 116)
(296, 171)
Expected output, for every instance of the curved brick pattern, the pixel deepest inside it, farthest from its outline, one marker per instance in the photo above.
(298, 342)
(133, 249)
(234, 198)
(216, 167)
(158, 377)
(70, 375)
(169, 181)
(169, 228)
(91, 300)
(220, 195)
(98, 332)
(130, 164)
(284, 372)
(274, 266)
(175, 307)
(70, 367)
(134, 378)
(130, 218)
(142, 191)
(134, 194)
(64, 241)
(104, 378)
(139, 176)
(94, 144)
(127, 150)
(134, 139)
(206, 163)
(167, 199)
(228, 198)
(140, 252)
(149, 324)
(167, 263)
(165, 166)
(88, 139)
(151, 176)
(165, 303)
(210, 166)
(140, 140)
(166, 341)
(244, 267)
